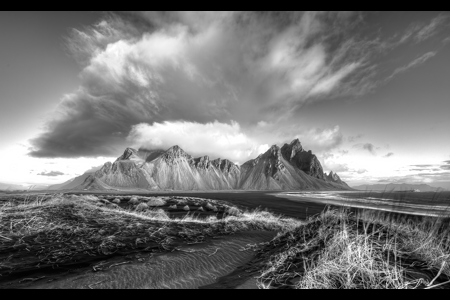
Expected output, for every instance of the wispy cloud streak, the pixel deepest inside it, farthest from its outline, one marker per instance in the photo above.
(416, 62)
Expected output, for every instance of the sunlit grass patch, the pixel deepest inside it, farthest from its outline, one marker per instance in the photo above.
(368, 251)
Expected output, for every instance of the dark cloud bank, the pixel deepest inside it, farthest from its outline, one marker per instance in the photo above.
(144, 74)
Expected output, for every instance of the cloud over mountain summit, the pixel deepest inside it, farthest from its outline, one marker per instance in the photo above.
(194, 67)
(228, 73)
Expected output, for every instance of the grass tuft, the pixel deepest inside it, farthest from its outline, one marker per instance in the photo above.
(369, 251)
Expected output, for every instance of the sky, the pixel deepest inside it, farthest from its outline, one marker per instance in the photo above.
(367, 92)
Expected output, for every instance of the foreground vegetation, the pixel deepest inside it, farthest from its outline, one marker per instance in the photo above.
(367, 251)
(336, 249)
(63, 231)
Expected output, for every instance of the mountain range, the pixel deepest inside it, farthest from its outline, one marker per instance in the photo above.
(289, 167)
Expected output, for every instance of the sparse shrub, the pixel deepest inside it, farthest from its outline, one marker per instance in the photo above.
(211, 219)
(209, 206)
(117, 201)
(73, 197)
(156, 202)
(233, 211)
(141, 206)
(134, 200)
(181, 201)
(89, 197)
(156, 213)
(186, 208)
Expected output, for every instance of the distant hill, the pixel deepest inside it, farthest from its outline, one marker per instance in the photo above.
(398, 187)
(19, 187)
(289, 167)
(72, 183)
(11, 187)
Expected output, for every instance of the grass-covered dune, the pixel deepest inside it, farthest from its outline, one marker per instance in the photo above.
(372, 250)
(56, 233)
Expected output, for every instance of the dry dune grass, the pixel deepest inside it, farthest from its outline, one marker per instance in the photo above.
(336, 249)
(141, 206)
(368, 251)
(211, 207)
(70, 230)
(156, 202)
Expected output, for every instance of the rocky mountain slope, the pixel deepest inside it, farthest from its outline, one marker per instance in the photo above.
(287, 168)
(72, 183)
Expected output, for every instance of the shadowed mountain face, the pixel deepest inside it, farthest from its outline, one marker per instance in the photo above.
(303, 160)
(287, 168)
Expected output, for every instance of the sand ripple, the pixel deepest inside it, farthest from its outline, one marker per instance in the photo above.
(190, 267)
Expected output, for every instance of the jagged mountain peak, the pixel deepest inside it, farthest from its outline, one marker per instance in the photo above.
(128, 153)
(202, 162)
(274, 150)
(334, 177)
(149, 155)
(289, 151)
(274, 147)
(175, 152)
(302, 159)
(175, 148)
(217, 161)
(295, 142)
(225, 165)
